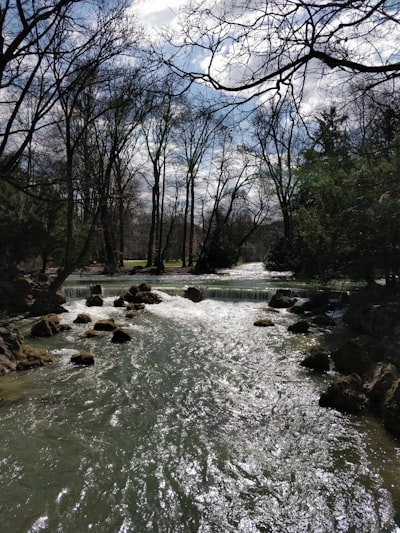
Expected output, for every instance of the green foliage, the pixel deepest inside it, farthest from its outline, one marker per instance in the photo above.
(348, 206)
(30, 225)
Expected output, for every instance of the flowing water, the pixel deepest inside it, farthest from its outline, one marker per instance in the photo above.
(202, 423)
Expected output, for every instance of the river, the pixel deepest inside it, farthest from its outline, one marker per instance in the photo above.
(202, 423)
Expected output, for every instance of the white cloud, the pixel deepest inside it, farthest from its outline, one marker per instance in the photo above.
(157, 15)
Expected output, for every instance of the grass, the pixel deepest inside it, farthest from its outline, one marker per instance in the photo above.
(130, 263)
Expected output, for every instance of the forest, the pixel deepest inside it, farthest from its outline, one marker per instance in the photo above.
(114, 145)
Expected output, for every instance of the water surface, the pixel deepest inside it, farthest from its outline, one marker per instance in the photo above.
(203, 423)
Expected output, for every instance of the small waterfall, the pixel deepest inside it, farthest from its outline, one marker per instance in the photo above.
(210, 292)
(230, 294)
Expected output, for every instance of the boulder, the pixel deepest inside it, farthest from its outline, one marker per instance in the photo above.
(83, 318)
(47, 326)
(119, 302)
(120, 336)
(45, 303)
(95, 300)
(194, 294)
(352, 357)
(345, 394)
(299, 327)
(391, 409)
(15, 355)
(146, 297)
(317, 359)
(264, 323)
(11, 343)
(96, 289)
(281, 301)
(136, 307)
(144, 287)
(380, 380)
(133, 314)
(91, 334)
(105, 325)
(31, 357)
(82, 359)
(323, 321)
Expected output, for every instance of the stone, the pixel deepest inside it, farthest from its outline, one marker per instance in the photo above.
(317, 360)
(91, 333)
(132, 314)
(345, 394)
(264, 323)
(299, 327)
(380, 380)
(391, 409)
(47, 326)
(82, 359)
(144, 287)
(105, 325)
(32, 357)
(95, 300)
(193, 294)
(119, 302)
(323, 321)
(146, 297)
(120, 336)
(282, 302)
(83, 318)
(96, 289)
(352, 357)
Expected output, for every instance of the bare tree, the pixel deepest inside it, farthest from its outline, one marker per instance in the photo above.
(32, 36)
(276, 129)
(195, 133)
(232, 188)
(260, 46)
(157, 135)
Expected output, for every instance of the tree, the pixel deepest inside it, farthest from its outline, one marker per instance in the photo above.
(32, 36)
(157, 134)
(263, 46)
(276, 131)
(232, 189)
(195, 132)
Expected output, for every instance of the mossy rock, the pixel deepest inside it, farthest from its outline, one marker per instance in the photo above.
(136, 307)
(120, 336)
(299, 327)
(83, 318)
(317, 360)
(82, 359)
(31, 357)
(391, 409)
(133, 314)
(345, 394)
(105, 325)
(146, 297)
(92, 334)
(95, 300)
(119, 302)
(47, 326)
(264, 323)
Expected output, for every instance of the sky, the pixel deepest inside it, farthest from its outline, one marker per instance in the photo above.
(156, 15)
(232, 60)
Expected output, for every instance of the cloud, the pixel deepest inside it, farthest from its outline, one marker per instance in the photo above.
(157, 15)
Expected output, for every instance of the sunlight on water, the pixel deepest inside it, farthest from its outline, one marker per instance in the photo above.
(202, 423)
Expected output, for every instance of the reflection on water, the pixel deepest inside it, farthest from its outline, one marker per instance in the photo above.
(203, 423)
